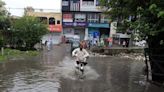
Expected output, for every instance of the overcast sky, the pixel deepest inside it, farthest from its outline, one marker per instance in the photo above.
(11, 5)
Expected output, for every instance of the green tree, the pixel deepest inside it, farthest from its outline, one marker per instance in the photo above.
(28, 31)
(147, 16)
(4, 23)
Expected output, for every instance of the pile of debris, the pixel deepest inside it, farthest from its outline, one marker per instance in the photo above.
(92, 54)
(133, 56)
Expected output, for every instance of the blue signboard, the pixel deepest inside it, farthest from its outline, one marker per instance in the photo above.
(96, 25)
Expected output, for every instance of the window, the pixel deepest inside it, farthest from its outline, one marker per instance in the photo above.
(65, 3)
(75, 5)
(51, 21)
(93, 18)
(58, 21)
(80, 17)
(43, 19)
(104, 19)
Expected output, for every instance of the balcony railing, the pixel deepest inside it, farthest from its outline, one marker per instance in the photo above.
(75, 6)
(88, 3)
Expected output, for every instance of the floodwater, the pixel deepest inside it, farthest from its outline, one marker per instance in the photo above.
(53, 71)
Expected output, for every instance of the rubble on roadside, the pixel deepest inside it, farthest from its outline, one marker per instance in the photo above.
(92, 54)
(133, 56)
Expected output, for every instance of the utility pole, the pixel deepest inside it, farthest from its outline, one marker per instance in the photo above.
(2, 48)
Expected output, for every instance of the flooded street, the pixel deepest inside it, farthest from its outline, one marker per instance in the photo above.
(53, 71)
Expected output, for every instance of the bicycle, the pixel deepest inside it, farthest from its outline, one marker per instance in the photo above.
(80, 68)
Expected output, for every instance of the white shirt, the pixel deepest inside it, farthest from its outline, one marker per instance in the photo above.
(81, 55)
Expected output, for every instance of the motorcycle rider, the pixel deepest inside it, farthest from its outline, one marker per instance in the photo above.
(81, 55)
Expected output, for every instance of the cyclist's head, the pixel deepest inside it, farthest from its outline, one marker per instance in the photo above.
(81, 46)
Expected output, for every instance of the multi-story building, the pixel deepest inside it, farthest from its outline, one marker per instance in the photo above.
(52, 19)
(84, 18)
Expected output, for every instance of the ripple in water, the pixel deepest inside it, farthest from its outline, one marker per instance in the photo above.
(34, 81)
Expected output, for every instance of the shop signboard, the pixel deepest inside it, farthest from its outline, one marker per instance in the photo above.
(74, 24)
(67, 24)
(67, 17)
(99, 25)
(55, 28)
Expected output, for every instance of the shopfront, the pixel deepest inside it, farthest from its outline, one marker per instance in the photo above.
(75, 28)
(97, 31)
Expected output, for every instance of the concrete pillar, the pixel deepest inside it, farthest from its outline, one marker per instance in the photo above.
(81, 4)
(86, 34)
(113, 27)
(94, 2)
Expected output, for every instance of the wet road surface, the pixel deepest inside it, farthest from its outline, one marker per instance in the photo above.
(53, 71)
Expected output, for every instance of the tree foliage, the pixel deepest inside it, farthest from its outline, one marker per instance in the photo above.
(4, 23)
(147, 16)
(27, 31)
(3, 16)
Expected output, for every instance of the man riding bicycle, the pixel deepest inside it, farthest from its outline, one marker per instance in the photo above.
(81, 55)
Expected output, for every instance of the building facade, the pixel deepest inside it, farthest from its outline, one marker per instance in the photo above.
(52, 19)
(84, 18)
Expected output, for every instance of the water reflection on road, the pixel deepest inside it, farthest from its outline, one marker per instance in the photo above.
(52, 72)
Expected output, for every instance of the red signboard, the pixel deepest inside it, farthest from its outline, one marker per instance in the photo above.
(67, 17)
(55, 28)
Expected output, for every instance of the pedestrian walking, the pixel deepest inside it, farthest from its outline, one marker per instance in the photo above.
(124, 43)
(48, 45)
